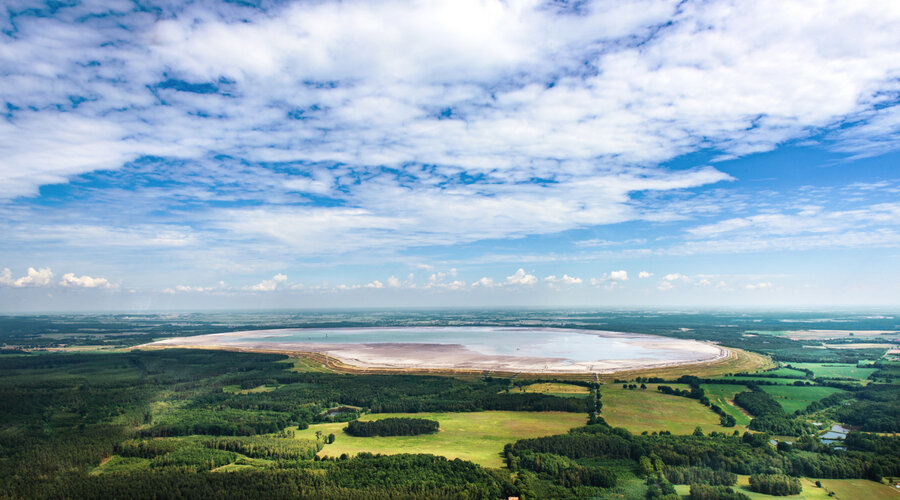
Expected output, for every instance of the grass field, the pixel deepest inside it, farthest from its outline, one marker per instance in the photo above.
(790, 372)
(836, 370)
(793, 398)
(751, 378)
(721, 394)
(476, 436)
(555, 389)
(844, 489)
(648, 410)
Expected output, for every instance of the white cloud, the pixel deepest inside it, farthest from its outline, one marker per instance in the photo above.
(564, 280)
(758, 286)
(70, 280)
(675, 277)
(269, 285)
(520, 278)
(618, 275)
(33, 277)
(484, 282)
(665, 286)
(644, 275)
(393, 282)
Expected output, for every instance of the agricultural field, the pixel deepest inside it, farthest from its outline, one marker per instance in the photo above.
(849, 489)
(630, 408)
(476, 436)
(786, 372)
(555, 389)
(751, 378)
(836, 370)
(723, 396)
(843, 489)
(793, 398)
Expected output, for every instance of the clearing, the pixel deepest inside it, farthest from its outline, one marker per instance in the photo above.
(648, 410)
(836, 370)
(555, 389)
(722, 395)
(475, 436)
(843, 489)
(793, 398)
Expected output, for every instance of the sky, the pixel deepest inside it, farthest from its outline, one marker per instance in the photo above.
(250, 154)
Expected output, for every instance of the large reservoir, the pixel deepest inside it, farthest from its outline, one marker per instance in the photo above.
(532, 350)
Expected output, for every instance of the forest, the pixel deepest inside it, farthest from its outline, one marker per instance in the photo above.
(190, 423)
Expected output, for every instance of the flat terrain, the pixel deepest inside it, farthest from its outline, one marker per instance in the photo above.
(844, 489)
(836, 370)
(648, 410)
(555, 389)
(793, 398)
(470, 348)
(827, 334)
(476, 436)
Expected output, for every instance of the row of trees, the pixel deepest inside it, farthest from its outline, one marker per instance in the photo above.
(392, 427)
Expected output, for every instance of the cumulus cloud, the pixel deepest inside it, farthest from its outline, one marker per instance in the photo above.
(520, 278)
(758, 286)
(675, 277)
(644, 275)
(484, 282)
(564, 280)
(269, 285)
(70, 280)
(618, 275)
(33, 277)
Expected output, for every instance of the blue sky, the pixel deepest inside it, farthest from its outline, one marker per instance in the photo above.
(178, 155)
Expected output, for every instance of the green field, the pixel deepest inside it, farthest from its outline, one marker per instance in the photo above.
(836, 370)
(555, 389)
(648, 410)
(751, 378)
(475, 436)
(793, 398)
(721, 395)
(843, 489)
(786, 372)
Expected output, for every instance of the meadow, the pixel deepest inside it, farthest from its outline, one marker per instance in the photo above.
(478, 436)
(836, 370)
(832, 489)
(640, 410)
(723, 395)
(793, 398)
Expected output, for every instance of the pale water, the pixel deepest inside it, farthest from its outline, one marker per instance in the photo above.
(574, 345)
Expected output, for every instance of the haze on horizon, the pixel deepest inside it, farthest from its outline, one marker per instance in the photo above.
(210, 154)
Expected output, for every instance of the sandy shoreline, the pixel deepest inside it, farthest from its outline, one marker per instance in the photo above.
(434, 356)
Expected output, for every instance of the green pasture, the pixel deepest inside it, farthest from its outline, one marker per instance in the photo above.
(648, 410)
(786, 372)
(751, 378)
(793, 398)
(553, 389)
(475, 436)
(843, 489)
(722, 395)
(836, 370)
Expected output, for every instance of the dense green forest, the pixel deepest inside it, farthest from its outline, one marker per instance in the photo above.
(392, 427)
(193, 423)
